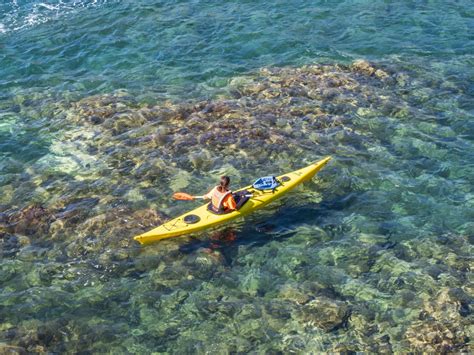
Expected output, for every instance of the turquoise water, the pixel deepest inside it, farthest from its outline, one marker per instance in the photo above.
(107, 107)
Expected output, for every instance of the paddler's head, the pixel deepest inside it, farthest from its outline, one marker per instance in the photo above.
(224, 184)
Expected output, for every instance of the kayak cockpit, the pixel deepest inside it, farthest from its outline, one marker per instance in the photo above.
(241, 197)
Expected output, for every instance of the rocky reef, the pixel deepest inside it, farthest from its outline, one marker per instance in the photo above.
(355, 263)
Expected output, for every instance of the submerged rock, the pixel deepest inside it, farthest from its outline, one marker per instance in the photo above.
(363, 66)
(119, 149)
(31, 220)
(12, 350)
(435, 337)
(324, 313)
(204, 263)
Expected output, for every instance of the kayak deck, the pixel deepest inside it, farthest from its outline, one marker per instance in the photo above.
(201, 218)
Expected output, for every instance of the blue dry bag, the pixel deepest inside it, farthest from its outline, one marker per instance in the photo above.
(266, 183)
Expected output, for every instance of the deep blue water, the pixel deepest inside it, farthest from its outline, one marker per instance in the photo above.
(164, 47)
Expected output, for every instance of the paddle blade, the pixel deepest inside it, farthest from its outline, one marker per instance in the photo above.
(182, 196)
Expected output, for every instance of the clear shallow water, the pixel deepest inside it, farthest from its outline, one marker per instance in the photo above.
(102, 117)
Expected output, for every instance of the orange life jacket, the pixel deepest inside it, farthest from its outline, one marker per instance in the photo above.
(217, 199)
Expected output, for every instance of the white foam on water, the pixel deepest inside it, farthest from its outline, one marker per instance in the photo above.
(17, 17)
(47, 6)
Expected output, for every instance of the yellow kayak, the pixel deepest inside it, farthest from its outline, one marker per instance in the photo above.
(201, 218)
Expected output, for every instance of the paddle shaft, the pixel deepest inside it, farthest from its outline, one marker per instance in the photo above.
(203, 197)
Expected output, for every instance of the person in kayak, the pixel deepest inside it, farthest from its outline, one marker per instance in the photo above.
(222, 200)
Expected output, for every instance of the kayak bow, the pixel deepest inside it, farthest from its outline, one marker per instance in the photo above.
(201, 218)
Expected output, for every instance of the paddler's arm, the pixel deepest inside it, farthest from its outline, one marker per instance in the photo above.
(208, 196)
